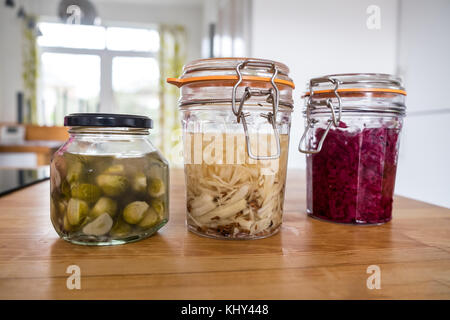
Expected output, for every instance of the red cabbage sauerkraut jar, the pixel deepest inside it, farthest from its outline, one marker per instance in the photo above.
(236, 115)
(353, 124)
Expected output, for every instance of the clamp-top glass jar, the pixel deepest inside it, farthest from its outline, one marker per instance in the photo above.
(353, 124)
(109, 184)
(236, 115)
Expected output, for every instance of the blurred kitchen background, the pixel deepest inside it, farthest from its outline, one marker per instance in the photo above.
(58, 57)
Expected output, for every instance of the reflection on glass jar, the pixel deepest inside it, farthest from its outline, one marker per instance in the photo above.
(109, 185)
(351, 141)
(235, 154)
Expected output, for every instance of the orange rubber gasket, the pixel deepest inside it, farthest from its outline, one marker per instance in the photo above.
(180, 82)
(386, 90)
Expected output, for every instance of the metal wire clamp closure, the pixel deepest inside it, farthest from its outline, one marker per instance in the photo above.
(273, 96)
(311, 122)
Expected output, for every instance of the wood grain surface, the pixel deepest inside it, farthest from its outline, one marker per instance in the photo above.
(308, 259)
(52, 133)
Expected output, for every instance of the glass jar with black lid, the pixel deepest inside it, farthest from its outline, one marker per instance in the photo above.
(109, 184)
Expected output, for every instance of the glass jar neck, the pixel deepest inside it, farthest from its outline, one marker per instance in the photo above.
(108, 131)
(356, 102)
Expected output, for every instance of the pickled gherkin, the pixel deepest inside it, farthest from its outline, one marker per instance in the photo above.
(74, 172)
(134, 212)
(76, 211)
(66, 224)
(156, 187)
(158, 206)
(109, 200)
(104, 205)
(150, 218)
(85, 191)
(139, 183)
(112, 185)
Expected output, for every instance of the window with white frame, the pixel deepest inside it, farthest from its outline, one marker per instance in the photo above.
(97, 69)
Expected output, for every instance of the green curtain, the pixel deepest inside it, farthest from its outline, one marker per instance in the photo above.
(172, 57)
(30, 70)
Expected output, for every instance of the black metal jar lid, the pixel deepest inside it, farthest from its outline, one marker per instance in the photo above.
(107, 120)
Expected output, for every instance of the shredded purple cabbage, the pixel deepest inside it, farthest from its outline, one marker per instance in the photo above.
(353, 176)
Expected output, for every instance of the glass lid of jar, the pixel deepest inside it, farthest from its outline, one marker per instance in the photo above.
(336, 94)
(355, 82)
(223, 69)
(351, 92)
(237, 81)
(107, 120)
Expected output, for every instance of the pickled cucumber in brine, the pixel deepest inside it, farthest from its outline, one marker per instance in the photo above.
(103, 199)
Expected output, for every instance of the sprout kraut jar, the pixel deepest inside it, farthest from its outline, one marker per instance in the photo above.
(352, 135)
(236, 115)
(109, 184)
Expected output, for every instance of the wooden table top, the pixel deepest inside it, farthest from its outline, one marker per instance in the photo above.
(308, 259)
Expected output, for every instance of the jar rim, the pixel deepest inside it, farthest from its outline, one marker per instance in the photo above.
(108, 130)
(226, 63)
(179, 82)
(355, 82)
(380, 90)
(225, 69)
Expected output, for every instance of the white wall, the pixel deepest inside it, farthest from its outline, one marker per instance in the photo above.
(10, 63)
(322, 37)
(424, 54)
(424, 64)
(186, 13)
(423, 169)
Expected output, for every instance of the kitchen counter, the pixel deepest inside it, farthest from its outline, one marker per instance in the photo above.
(307, 259)
(12, 179)
(43, 149)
